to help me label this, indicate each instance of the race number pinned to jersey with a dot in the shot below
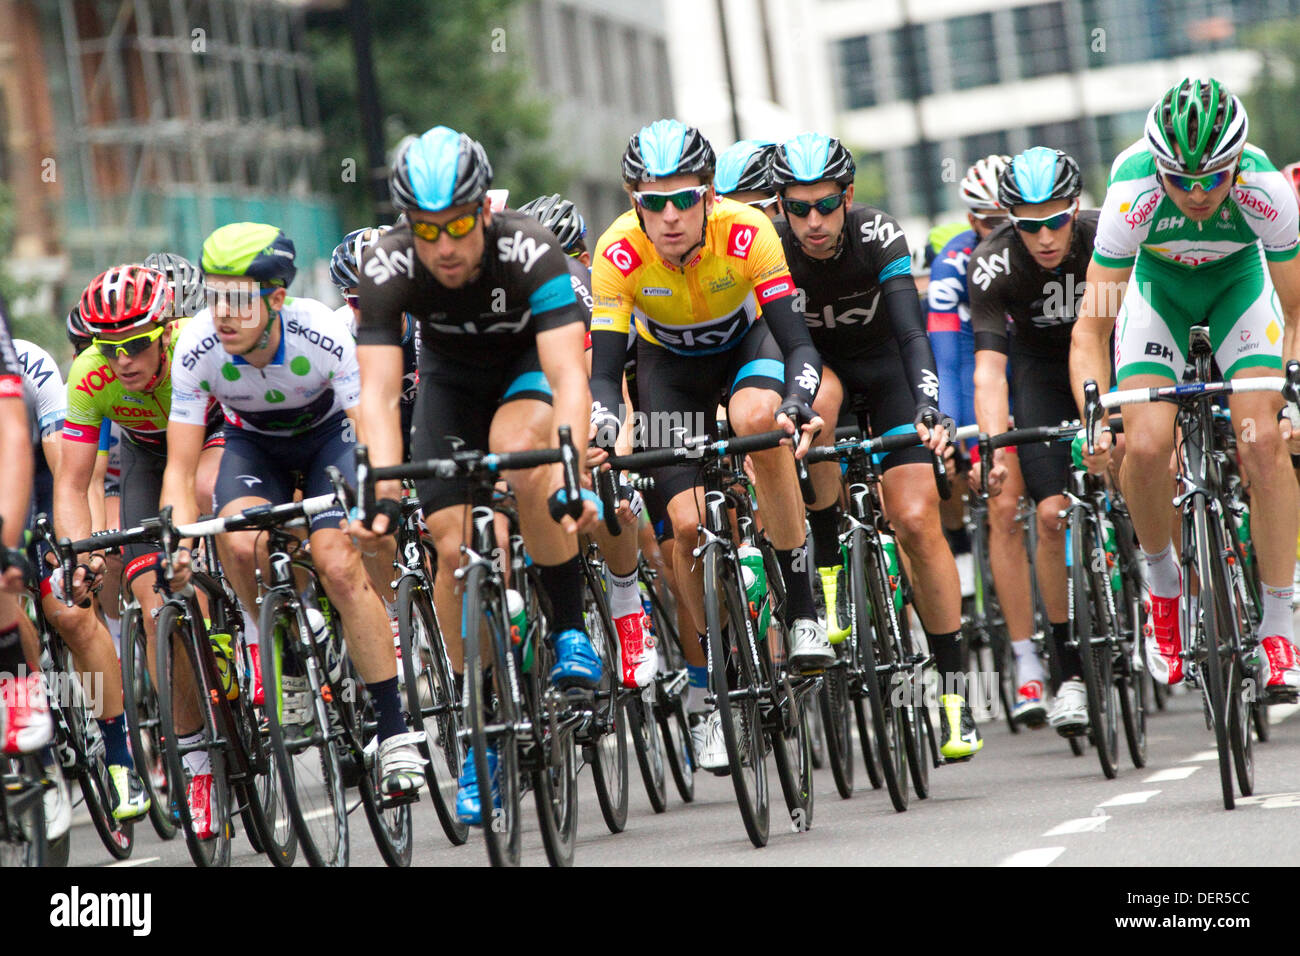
(623, 256)
(496, 199)
(741, 240)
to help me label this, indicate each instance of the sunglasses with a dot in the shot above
(238, 299)
(683, 199)
(989, 216)
(762, 203)
(458, 228)
(1059, 221)
(1207, 182)
(825, 205)
(128, 348)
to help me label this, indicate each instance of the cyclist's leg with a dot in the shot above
(825, 511)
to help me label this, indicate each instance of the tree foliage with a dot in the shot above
(1271, 101)
(44, 330)
(456, 63)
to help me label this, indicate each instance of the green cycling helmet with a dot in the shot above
(252, 249)
(1196, 126)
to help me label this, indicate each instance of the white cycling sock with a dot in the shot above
(1277, 617)
(1162, 573)
(624, 598)
(196, 761)
(1029, 666)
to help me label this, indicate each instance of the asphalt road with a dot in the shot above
(1024, 800)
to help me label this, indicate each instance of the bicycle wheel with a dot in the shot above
(432, 700)
(265, 811)
(648, 746)
(607, 753)
(792, 747)
(872, 609)
(675, 728)
(816, 734)
(836, 708)
(22, 812)
(1240, 685)
(486, 622)
(916, 714)
(390, 825)
(1213, 657)
(1259, 719)
(1090, 629)
(738, 707)
(1135, 690)
(140, 703)
(306, 756)
(175, 655)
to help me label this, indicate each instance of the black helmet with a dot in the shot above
(745, 167)
(812, 158)
(558, 215)
(438, 170)
(667, 148)
(1039, 174)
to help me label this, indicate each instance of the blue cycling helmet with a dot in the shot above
(1039, 174)
(667, 148)
(812, 158)
(441, 169)
(745, 167)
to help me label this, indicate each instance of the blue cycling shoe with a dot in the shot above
(576, 663)
(469, 807)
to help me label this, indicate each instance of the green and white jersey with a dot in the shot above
(313, 377)
(1137, 216)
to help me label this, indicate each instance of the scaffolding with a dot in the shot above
(180, 115)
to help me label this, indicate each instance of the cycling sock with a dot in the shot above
(798, 585)
(624, 597)
(1071, 667)
(825, 526)
(1162, 573)
(388, 708)
(563, 584)
(946, 649)
(697, 676)
(1277, 617)
(196, 761)
(12, 659)
(1029, 666)
(115, 748)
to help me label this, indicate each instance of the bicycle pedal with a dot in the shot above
(394, 800)
(1074, 730)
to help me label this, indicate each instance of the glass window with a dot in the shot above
(572, 49)
(636, 75)
(606, 80)
(1066, 136)
(983, 144)
(923, 179)
(911, 62)
(857, 85)
(971, 52)
(663, 79)
(1040, 40)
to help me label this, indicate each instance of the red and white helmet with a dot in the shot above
(126, 297)
(979, 188)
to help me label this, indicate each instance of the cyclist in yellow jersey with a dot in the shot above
(691, 272)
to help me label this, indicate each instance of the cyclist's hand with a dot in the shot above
(938, 436)
(1099, 461)
(796, 417)
(587, 521)
(181, 567)
(1289, 424)
(12, 581)
(596, 456)
(950, 462)
(87, 578)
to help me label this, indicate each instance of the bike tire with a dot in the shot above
(171, 628)
(648, 746)
(309, 769)
(485, 608)
(876, 650)
(1240, 685)
(1259, 718)
(836, 707)
(432, 700)
(916, 717)
(22, 813)
(1135, 692)
(741, 716)
(390, 826)
(1088, 625)
(1214, 666)
(675, 728)
(607, 753)
(140, 704)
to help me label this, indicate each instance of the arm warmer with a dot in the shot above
(904, 307)
(803, 366)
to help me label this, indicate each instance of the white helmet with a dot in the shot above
(979, 188)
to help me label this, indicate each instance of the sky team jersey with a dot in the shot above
(313, 376)
(1137, 215)
(707, 305)
(522, 288)
(94, 394)
(43, 390)
(948, 323)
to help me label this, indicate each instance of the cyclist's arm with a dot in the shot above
(1090, 341)
(904, 308)
(992, 409)
(73, 517)
(1286, 280)
(98, 509)
(16, 453)
(803, 366)
(51, 446)
(184, 445)
(558, 349)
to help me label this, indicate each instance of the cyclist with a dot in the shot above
(1032, 270)
(953, 341)
(691, 273)
(744, 174)
(637, 651)
(848, 260)
(1188, 211)
(125, 377)
(284, 370)
(501, 358)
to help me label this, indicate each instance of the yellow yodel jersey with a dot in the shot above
(703, 307)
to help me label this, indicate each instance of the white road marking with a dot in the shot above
(1126, 799)
(140, 862)
(1203, 755)
(1173, 773)
(1039, 857)
(1272, 801)
(1080, 825)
